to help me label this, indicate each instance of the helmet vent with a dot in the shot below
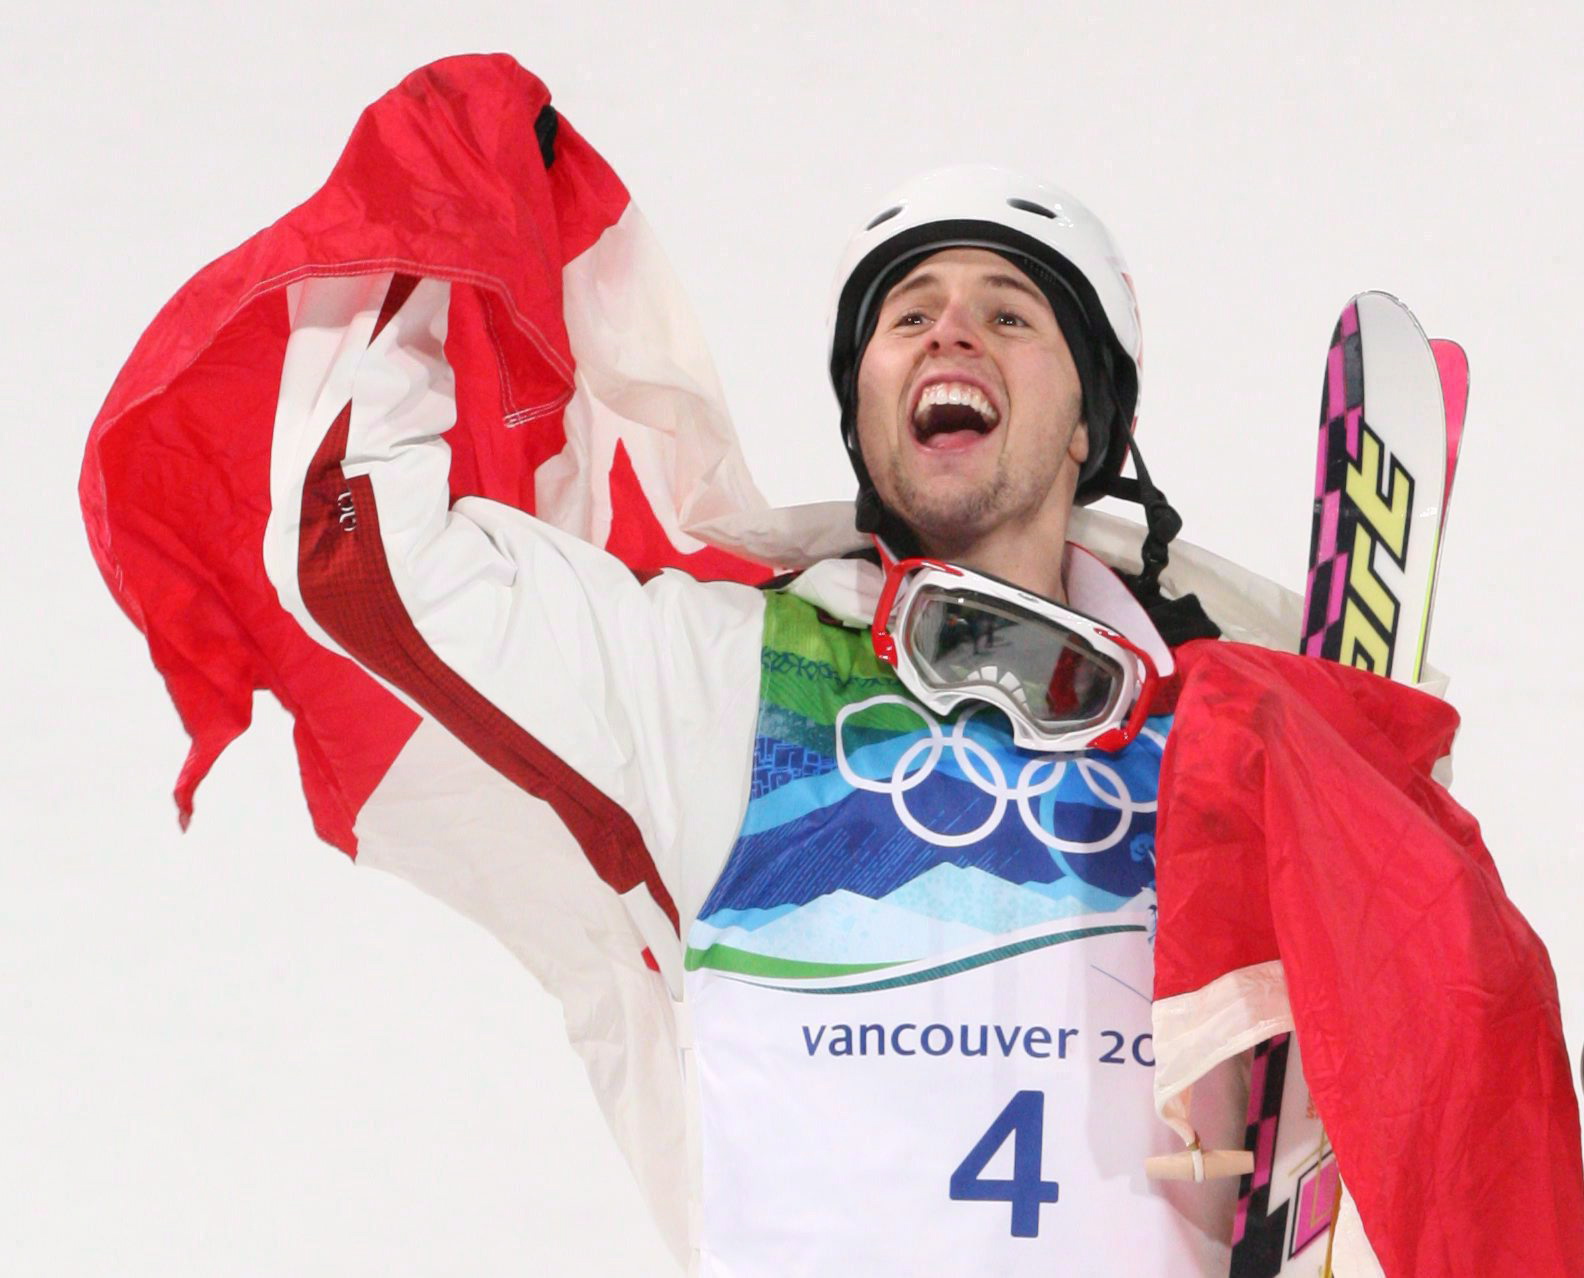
(883, 217)
(1028, 206)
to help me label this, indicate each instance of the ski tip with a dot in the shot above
(1453, 367)
(1451, 361)
(1450, 356)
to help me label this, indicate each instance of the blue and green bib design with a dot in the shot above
(885, 845)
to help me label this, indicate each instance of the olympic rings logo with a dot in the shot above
(1040, 776)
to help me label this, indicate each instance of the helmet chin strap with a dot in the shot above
(872, 516)
(869, 512)
(1162, 523)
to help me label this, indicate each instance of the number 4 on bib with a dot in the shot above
(1023, 1120)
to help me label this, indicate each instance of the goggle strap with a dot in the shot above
(1143, 704)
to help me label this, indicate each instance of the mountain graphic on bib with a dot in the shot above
(883, 843)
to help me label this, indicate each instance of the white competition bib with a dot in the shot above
(919, 995)
(966, 1117)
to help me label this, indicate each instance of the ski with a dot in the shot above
(1391, 425)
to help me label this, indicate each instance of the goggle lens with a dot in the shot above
(960, 639)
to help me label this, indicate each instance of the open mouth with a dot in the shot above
(953, 415)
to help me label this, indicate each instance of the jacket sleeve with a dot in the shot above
(628, 708)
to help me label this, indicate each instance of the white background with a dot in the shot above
(232, 1053)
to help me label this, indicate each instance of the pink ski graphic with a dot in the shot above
(1331, 540)
(1259, 1230)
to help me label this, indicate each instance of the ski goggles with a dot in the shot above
(1065, 681)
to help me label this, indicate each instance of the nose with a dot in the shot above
(954, 330)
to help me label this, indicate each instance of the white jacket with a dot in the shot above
(600, 703)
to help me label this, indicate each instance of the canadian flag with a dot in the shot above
(463, 172)
(1312, 875)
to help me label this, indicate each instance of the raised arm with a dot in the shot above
(628, 708)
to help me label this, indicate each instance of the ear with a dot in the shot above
(1078, 445)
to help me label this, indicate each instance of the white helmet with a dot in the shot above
(1053, 238)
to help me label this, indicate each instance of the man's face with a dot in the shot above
(969, 403)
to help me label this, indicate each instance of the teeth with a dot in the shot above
(957, 393)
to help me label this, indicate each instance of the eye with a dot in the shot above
(911, 319)
(1010, 319)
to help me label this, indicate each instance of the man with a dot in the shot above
(915, 949)
(854, 929)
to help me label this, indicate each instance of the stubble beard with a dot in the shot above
(944, 516)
